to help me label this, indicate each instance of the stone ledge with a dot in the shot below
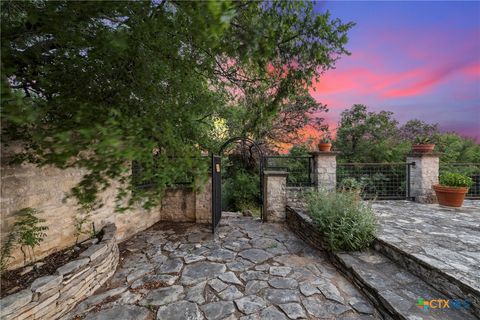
(424, 154)
(388, 285)
(275, 173)
(52, 296)
(441, 280)
(324, 153)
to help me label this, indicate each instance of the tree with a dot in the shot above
(455, 148)
(418, 128)
(101, 84)
(364, 136)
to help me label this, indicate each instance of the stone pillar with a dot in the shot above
(325, 170)
(275, 195)
(203, 202)
(423, 174)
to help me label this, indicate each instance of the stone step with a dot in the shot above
(440, 275)
(394, 290)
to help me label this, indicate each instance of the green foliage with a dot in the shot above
(299, 150)
(364, 136)
(30, 231)
(423, 140)
(351, 184)
(100, 84)
(6, 250)
(346, 222)
(452, 179)
(241, 191)
(415, 128)
(455, 148)
(80, 221)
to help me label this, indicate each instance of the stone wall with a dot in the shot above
(325, 169)
(295, 195)
(423, 174)
(45, 189)
(275, 200)
(51, 297)
(300, 223)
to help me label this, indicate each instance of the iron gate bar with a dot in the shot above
(216, 191)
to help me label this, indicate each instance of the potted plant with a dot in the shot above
(325, 144)
(452, 189)
(423, 145)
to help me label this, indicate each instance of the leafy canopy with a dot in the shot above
(100, 84)
(364, 136)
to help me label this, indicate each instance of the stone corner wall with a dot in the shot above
(44, 188)
(295, 195)
(51, 297)
(303, 226)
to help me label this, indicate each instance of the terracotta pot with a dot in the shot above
(450, 196)
(423, 148)
(324, 147)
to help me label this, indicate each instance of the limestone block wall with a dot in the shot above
(51, 297)
(325, 169)
(45, 189)
(295, 195)
(275, 199)
(300, 223)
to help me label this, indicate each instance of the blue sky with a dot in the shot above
(417, 59)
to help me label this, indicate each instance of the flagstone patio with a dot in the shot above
(249, 270)
(439, 244)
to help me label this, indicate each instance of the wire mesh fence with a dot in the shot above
(469, 169)
(376, 180)
(299, 168)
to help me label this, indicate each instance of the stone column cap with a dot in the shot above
(425, 154)
(275, 173)
(324, 153)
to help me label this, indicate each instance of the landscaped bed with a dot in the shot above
(15, 280)
(65, 279)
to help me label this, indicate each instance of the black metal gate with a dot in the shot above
(216, 191)
(217, 178)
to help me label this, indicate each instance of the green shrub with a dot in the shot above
(28, 232)
(241, 191)
(452, 179)
(351, 184)
(346, 222)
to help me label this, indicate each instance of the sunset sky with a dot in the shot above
(418, 59)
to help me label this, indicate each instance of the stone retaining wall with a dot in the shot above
(294, 195)
(302, 225)
(45, 189)
(51, 297)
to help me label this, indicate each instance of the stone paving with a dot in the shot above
(249, 270)
(447, 239)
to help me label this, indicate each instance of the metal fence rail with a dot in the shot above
(469, 169)
(376, 180)
(299, 168)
